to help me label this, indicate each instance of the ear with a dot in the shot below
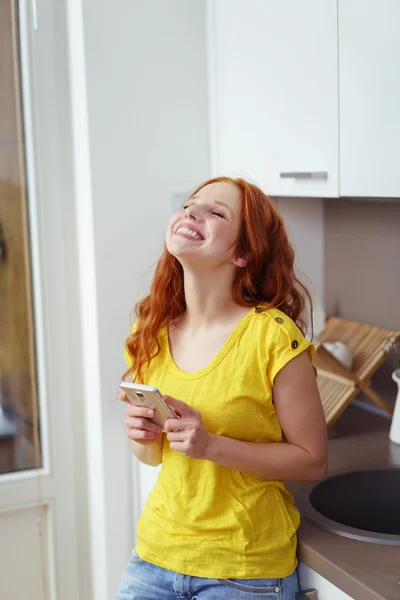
(240, 262)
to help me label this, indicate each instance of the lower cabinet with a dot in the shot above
(326, 589)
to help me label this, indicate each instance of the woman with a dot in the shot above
(220, 336)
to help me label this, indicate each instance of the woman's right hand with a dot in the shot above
(138, 426)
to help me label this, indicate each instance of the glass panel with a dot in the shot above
(19, 428)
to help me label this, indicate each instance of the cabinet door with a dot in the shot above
(369, 76)
(274, 93)
(326, 590)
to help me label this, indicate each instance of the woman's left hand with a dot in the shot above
(187, 434)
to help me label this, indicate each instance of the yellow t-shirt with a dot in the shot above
(206, 520)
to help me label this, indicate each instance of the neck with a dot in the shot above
(208, 297)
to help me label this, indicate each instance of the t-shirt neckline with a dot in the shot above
(216, 360)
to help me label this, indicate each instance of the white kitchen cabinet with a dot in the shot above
(274, 94)
(326, 589)
(369, 92)
(305, 95)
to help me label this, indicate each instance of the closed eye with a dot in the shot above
(213, 212)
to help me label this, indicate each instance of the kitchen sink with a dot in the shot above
(363, 504)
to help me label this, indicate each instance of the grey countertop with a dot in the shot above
(363, 570)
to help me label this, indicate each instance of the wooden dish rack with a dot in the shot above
(337, 384)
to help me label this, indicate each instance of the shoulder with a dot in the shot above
(276, 324)
(281, 339)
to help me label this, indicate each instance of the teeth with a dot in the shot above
(190, 232)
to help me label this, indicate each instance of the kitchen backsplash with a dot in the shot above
(362, 261)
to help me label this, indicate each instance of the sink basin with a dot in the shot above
(363, 504)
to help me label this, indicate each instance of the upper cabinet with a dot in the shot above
(274, 74)
(369, 95)
(305, 96)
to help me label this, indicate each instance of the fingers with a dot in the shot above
(137, 428)
(184, 424)
(138, 411)
(174, 425)
(122, 396)
(182, 441)
(138, 425)
(178, 436)
(180, 447)
(138, 435)
(181, 408)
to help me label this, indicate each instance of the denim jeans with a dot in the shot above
(144, 581)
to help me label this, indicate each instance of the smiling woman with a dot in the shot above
(220, 334)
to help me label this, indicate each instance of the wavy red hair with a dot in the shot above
(268, 278)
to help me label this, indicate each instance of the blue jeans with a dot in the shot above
(144, 581)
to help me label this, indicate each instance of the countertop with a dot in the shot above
(363, 570)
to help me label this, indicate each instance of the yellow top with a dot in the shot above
(206, 520)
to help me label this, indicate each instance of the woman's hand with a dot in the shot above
(187, 434)
(138, 426)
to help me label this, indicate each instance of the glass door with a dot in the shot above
(39, 327)
(19, 423)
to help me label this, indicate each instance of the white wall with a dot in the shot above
(304, 220)
(142, 98)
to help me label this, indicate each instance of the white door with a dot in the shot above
(274, 91)
(369, 67)
(38, 521)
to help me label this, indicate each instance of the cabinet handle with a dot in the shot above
(311, 594)
(304, 175)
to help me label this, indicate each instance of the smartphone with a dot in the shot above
(149, 397)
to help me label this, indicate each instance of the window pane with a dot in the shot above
(19, 429)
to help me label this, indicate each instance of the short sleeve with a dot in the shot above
(286, 342)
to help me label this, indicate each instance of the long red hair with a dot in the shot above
(268, 279)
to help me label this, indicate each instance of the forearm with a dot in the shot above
(149, 453)
(272, 460)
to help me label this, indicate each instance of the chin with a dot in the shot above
(180, 247)
(184, 256)
(172, 247)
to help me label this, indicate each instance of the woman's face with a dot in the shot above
(206, 229)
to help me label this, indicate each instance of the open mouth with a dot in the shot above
(190, 233)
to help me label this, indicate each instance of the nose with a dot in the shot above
(192, 213)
